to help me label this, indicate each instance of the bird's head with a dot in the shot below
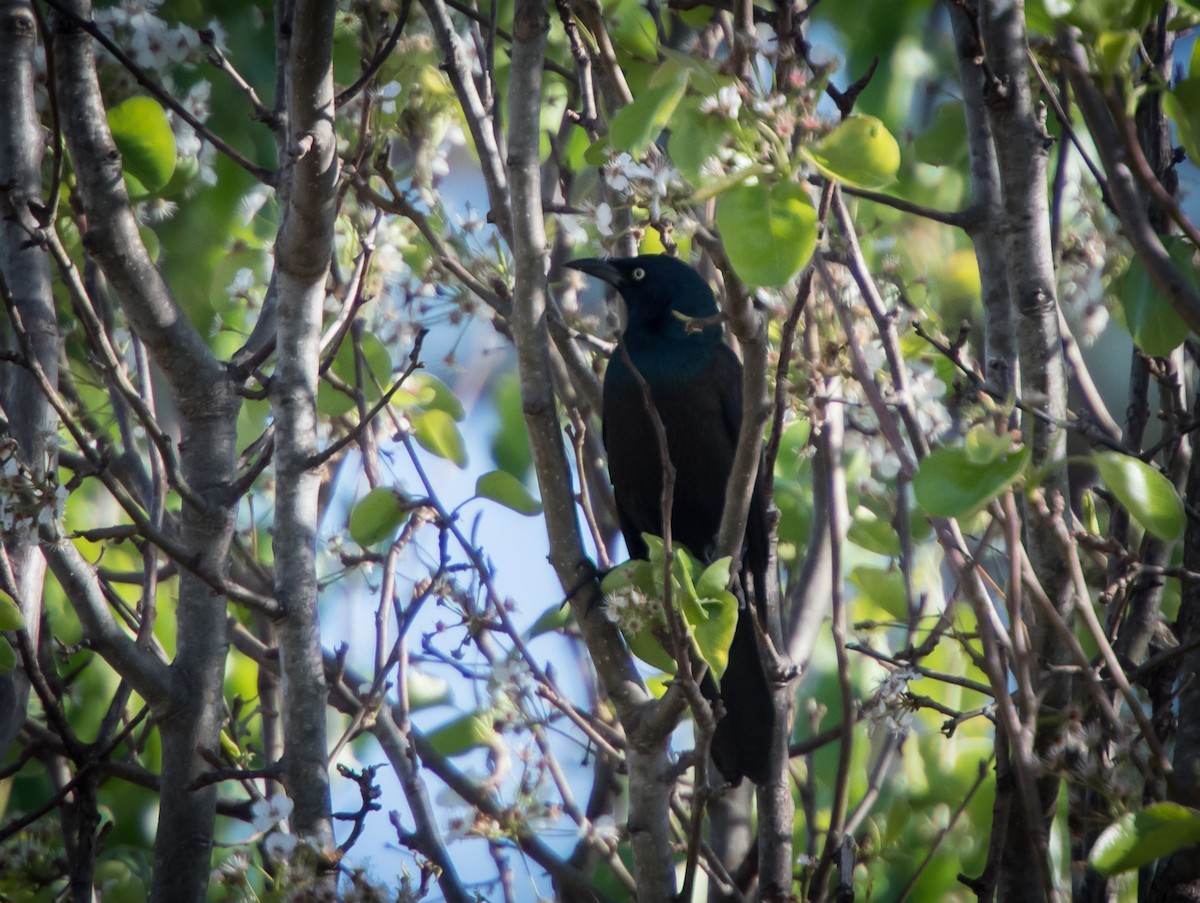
(661, 295)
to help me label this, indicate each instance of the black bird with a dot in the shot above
(695, 380)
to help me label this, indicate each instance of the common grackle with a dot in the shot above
(695, 380)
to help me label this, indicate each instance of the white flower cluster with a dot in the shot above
(159, 48)
(150, 41)
(188, 146)
(27, 502)
(633, 611)
(727, 103)
(888, 706)
(267, 814)
(507, 682)
(641, 181)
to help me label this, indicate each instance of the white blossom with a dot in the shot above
(266, 813)
(604, 219)
(279, 845)
(726, 103)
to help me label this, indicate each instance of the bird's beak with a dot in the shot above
(594, 266)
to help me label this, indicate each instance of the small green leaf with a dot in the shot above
(597, 153)
(769, 230)
(1147, 495)
(645, 645)
(883, 587)
(636, 34)
(435, 394)
(553, 619)
(147, 144)
(695, 137)
(1138, 838)
(377, 515)
(464, 733)
(658, 684)
(510, 443)
(1113, 50)
(713, 621)
(1182, 104)
(629, 576)
(1155, 326)
(714, 580)
(871, 532)
(949, 484)
(376, 376)
(437, 433)
(637, 124)
(722, 184)
(508, 491)
(860, 152)
(944, 142)
(10, 615)
(427, 690)
(8, 656)
(685, 566)
(983, 446)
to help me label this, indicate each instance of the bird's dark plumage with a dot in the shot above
(695, 380)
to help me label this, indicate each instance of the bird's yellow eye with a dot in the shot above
(639, 274)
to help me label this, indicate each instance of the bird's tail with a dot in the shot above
(741, 744)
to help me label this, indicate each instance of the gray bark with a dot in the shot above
(302, 258)
(649, 763)
(27, 416)
(189, 717)
(1021, 144)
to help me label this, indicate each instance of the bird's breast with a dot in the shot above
(699, 443)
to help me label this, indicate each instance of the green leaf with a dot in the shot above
(10, 615)
(510, 443)
(944, 142)
(871, 532)
(629, 576)
(435, 394)
(1147, 495)
(645, 645)
(437, 433)
(8, 656)
(508, 491)
(377, 515)
(769, 231)
(883, 587)
(1113, 50)
(983, 446)
(636, 34)
(695, 136)
(597, 152)
(860, 152)
(949, 484)
(376, 375)
(1155, 326)
(652, 243)
(1095, 16)
(147, 144)
(553, 619)
(1182, 104)
(723, 184)
(714, 580)
(427, 690)
(713, 621)
(637, 124)
(1138, 838)
(469, 731)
